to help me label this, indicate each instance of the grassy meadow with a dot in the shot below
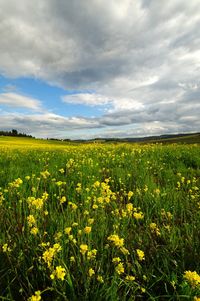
(98, 221)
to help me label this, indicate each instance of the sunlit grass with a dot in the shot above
(99, 222)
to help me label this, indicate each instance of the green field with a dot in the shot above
(98, 221)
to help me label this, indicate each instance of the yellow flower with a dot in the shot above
(34, 231)
(74, 224)
(58, 235)
(31, 220)
(196, 298)
(140, 254)
(36, 297)
(83, 249)
(72, 259)
(119, 268)
(118, 242)
(90, 221)
(192, 278)
(154, 229)
(138, 215)
(116, 260)
(91, 254)
(73, 205)
(130, 194)
(129, 207)
(91, 272)
(61, 170)
(58, 273)
(6, 248)
(87, 230)
(130, 278)
(45, 174)
(57, 247)
(95, 206)
(68, 230)
(63, 200)
(100, 279)
(49, 254)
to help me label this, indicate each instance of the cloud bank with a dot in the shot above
(140, 59)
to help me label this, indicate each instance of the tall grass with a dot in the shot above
(99, 222)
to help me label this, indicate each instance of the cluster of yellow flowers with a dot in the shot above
(140, 254)
(154, 229)
(116, 240)
(37, 203)
(58, 273)
(36, 297)
(193, 278)
(16, 183)
(50, 253)
(45, 174)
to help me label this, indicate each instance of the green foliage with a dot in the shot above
(99, 222)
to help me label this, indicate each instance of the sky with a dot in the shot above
(97, 68)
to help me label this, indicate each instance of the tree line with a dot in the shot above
(14, 133)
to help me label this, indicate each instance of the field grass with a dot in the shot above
(99, 221)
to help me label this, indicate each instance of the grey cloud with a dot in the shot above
(113, 47)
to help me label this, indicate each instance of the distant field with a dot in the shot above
(99, 221)
(190, 139)
(16, 142)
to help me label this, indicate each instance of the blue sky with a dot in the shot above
(76, 69)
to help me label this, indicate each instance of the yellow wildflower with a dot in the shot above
(116, 260)
(68, 230)
(118, 242)
(130, 278)
(95, 206)
(130, 194)
(192, 278)
(83, 249)
(90, 221)
(34, 231)
(91, 272)
(140, 254)
(31, 220)
(61, 170)
(74, 224)
(73, 205)
(72, 259)
(6, 248)
(58, 273)
(119, 268)
(45, 174)
(91, 254)
(63, 200)
(100, 279)
(87, 230)
(138, 215)
(154, 229)
(129, 207)
(36, 297)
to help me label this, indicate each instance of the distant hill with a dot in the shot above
(171, 138)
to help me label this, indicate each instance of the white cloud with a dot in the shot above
(90, 99)
(140, 57)
(17, 100)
